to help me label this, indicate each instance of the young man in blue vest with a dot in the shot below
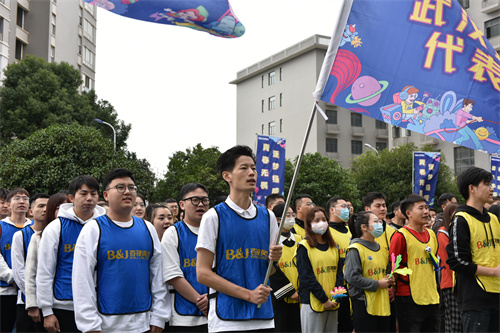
(56, 251)
(474, 253)
(18, 201)
(236, 239)
(117, 283)
(190, 302)
(20, 243)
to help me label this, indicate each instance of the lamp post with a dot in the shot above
(114, 132)
(371, 147)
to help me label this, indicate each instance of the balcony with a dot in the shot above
(357, 131)
(488, 6)
(495, 42)
(22, 35)
(382, 133)
(332, 128)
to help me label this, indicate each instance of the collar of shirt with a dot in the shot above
(246, 213)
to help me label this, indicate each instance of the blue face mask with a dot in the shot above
(344, 214)
(378, 230)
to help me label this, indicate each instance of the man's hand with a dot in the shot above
(259, 295)
(34, 314)
(329, 305)
(155, 329)
(202, 304)
(295, 296)
(275, 252)
(51, 323)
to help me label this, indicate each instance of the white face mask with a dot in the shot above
(319, 227)
(289, 223)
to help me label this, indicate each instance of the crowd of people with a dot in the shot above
(77, 262)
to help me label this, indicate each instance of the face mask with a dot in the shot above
(319, 227)
(378, 230)
(289, 223)
(344, 214)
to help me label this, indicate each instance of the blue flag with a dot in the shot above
(213, 16)
(420, 65)
(425, 170)
(495, 170)
(270, 167)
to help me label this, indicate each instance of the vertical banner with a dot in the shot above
(270, 167)
(425, 170)
(495, 170)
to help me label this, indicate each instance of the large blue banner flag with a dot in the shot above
(213, 16)
(270, 167)
(420, 65)
(495, 170)
(425, 170)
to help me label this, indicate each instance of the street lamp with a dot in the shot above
(114, 132)
(371, 147)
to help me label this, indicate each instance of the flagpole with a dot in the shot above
(290, 191)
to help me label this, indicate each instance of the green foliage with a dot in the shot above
(321, 178)
(196, 165)
(390, 172)
(37, 94)
(50, 158)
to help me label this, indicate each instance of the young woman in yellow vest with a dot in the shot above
(317, 263)
(366, 268)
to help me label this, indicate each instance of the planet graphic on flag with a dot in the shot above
(366, 91)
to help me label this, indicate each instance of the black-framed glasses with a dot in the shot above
(195, 201)
(122, 188)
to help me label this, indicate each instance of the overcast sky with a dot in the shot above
(172, 83)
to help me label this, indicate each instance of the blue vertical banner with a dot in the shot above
(495, 170)
(270, 167)
(426, 169)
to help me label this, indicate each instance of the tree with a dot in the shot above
(390, 172)
(37, 94)
(50, 158)
(195, 165)
(321, 178)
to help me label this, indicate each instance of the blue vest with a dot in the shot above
(70, 230)
(123, 258)
(28, 232)
(187, 256)
(8, 231)
(242, 251)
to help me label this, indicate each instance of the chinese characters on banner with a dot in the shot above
(495, 170)
(270, 167)
(426, 169)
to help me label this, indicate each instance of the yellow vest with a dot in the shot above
(288, 267)
(385, 240)
(423, 286)
(374, 265)
(299, 230)
(324, 265)
(485, 248)
(342, 240)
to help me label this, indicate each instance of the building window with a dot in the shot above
(52, 54)
(19, 50)
(53, 24)
(331, 145)
(263, 79)
(407, 132)
(88, 83)
(281, 99)
(271, 76)
(356, 120)
(492, 27)
(332, 117)
(281, 73)
(88, 58)
(263, 105)
(80, 45)
(272, 128)
(1, 28)
(380, 124)
(396, 132)
(271, 102)
(80, 21)
(281, 125)
(356, 147)
(380, 145)
(262, 129)
(89, 30)
(464, 159)
(464, 3)
(89, 8)
(20, 17)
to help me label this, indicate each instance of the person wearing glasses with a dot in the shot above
(190, 302)
(55, 254)
(18, 201)
(117, 283)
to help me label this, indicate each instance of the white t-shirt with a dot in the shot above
(207, 239)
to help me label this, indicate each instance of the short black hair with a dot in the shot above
(278, 210)
(333, 201)
(297, 199)
(472, 176)
(170, 200)
(443, 198)
(15, 191)
(4, 193)
(273, 197)
(116, 173)
(219, 199)
(432, 209)
(370, 197)
(38, 196)
(190, 188)
(409, 202)
(395, 205)
(228, 159)
(79, 181)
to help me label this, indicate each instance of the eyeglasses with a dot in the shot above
(195, 201)
(122, 188)
(20, 198)
(343, 206)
